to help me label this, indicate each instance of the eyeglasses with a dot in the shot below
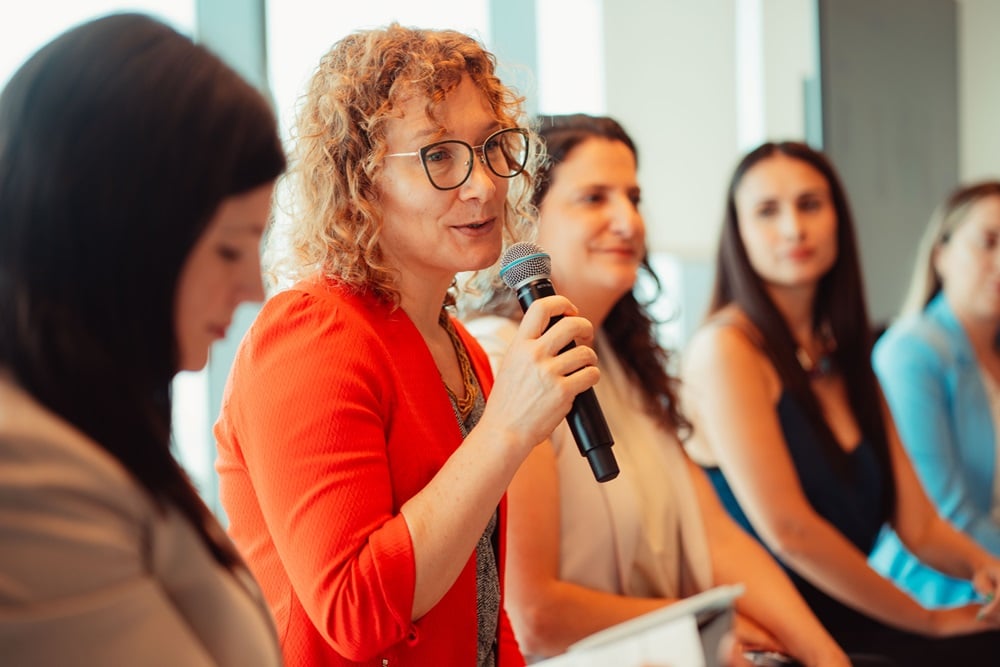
(448, 164)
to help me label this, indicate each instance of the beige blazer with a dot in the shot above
(92, 574)
(640, 534)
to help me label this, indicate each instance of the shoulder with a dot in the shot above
(41, 451)
(913, 339)
(725, 354)
(726, 337)
(493, 333)
(298, 330)
(72, 518)
(491, 326)
(318, 306)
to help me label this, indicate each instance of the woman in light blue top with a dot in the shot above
(940, 369)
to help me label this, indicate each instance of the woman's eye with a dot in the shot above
(229, 254)
(437, 155)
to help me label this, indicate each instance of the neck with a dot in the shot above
(982, 332)
(592, 306)
(422, 303)
(796, 307)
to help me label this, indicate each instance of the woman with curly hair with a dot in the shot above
(365, 447)
(584, 556)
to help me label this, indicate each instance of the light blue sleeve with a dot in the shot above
(912, 373)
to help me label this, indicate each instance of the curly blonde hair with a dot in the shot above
(336, 220)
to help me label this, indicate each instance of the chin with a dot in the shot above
(193, 363)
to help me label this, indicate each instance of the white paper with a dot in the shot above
(667, 637)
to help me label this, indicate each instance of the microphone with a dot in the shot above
(525, 268)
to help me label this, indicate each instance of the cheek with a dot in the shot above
(757, 246)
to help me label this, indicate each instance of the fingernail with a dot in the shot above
(980, 614)
(990, 596)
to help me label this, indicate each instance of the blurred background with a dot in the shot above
(902, 95)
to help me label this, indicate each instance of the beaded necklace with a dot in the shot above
(823, 366)
(469, 383)
(814, 370)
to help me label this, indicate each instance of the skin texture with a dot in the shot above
(222, 271)
(732, 390)
(968, 265)
(592, 228)
(429, 235)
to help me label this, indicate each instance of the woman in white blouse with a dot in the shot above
(583, 556)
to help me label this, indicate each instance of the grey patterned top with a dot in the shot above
(487, 575)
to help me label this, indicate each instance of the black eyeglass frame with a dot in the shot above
(481, 148)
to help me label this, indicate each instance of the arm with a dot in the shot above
(932, 539)
(82, 582)
(771, 600)
(549, 614)
(911, 374)
(534, 389)
(314, 431)
(735, 390)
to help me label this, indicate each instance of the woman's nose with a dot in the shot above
(626, 221)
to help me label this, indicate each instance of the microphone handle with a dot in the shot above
(586, 419)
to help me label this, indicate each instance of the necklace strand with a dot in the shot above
(822, 366)
(469, 384)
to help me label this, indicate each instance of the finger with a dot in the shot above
(536, 319)
(573, 360)
(566, 332)
(986, 584)
(581, 380)
(990, 611)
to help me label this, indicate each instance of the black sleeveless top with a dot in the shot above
(850, 500)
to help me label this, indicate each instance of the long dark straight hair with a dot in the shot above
(118, 142)
(839, 304)
(629, 326)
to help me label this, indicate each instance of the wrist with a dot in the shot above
(828, 654)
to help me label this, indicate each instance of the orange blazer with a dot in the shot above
(333, 416)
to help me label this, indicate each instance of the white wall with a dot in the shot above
(979, 89)
(671, 81)
(683, 77)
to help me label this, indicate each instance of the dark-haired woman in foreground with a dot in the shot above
(136, 172)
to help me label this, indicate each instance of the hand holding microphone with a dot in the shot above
(526, 268)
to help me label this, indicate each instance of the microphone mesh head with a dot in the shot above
(523, 262)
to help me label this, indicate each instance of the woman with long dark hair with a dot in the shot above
(136, 172)
(790, 420)
(584, 556)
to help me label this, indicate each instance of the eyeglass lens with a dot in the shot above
(449, 163)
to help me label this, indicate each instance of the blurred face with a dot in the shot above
(589, 221)
(222, 271)
(969, 263)
(787, 222)
(429, 235)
